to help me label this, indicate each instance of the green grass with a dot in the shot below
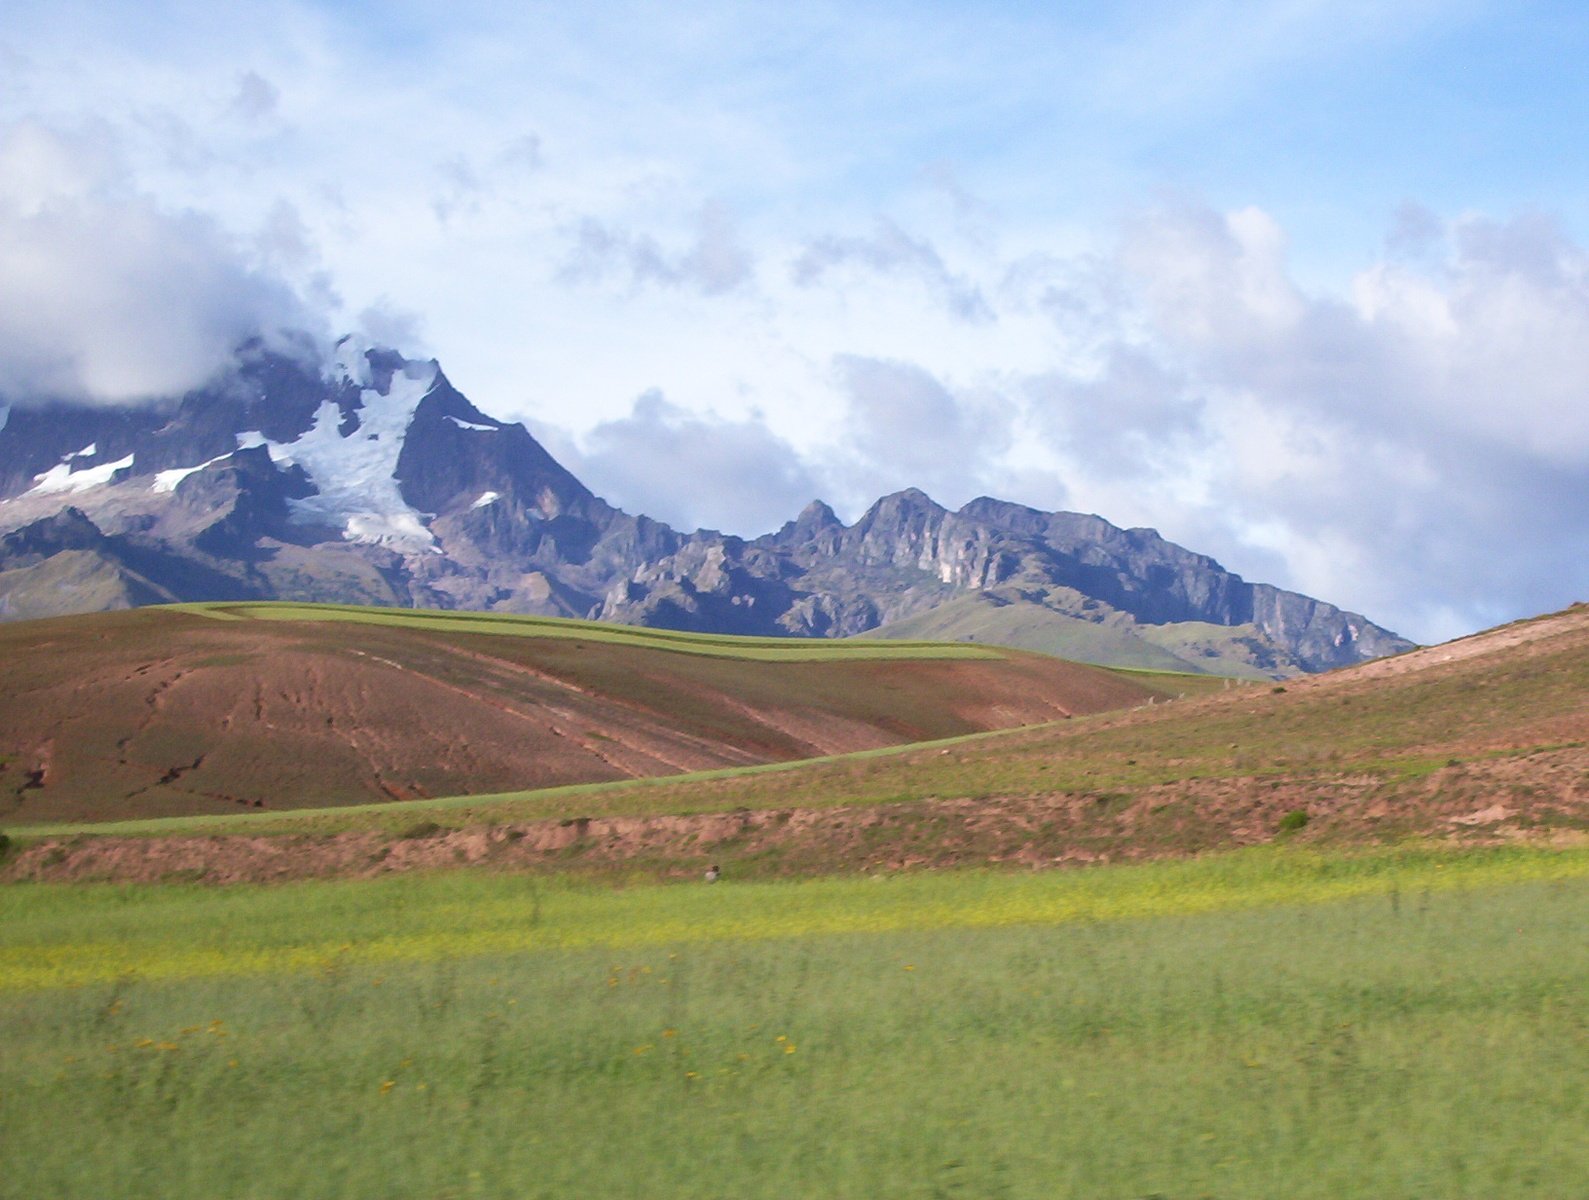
(790, 649)
(53, 935)
(1067, 625)
(1256, 1025)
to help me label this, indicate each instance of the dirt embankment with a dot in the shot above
(1542, 798)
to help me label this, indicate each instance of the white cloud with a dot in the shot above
(712, 263)
(888, 250)
(1417, 449)
(256, 96)
(106, 295)
(692, 470)
(906, 428)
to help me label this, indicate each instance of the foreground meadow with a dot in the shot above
(1410, 1023)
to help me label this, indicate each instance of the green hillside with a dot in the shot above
(1064, 624)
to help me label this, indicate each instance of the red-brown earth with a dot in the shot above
(163, 713)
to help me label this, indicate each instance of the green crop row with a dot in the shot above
(790, 649)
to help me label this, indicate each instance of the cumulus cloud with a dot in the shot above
(889, 250)
(906, 428)
(714, 261)
(522, 153)
(107, 296)
(458, 188)
(687, 469)
(386, 324)
(1418, 448)
(1136, 415)
(285, 239)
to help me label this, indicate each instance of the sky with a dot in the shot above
(1301, 284)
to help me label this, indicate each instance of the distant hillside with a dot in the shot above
(1011, 617)
(229, 708)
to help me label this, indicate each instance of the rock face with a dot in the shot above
(373, 480)
(908, 555)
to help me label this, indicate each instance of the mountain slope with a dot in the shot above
(370, 479)
(1006, 617)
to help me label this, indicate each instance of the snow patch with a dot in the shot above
(87, 451)
(472, 425)
(166, 481)
(401, 531)
(5, 415)
(356, 475)
(485, 499)
(62, 479)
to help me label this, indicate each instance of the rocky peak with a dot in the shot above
(817, 525)
(69, 529)
(1001, 514)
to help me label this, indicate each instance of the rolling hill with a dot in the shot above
(216, 708)
(1068, 625)
(1485, 739)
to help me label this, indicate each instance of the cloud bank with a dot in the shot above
(1423, 439)
(106, 295)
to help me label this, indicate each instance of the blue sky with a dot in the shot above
(1301, 284)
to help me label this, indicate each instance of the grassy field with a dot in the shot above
(516, 625)
(1397, 1024)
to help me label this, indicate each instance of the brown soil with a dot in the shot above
(1544, 798)
(151, 713)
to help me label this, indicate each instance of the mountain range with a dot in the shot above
(373, 480)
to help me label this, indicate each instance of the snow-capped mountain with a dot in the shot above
(371, 479)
